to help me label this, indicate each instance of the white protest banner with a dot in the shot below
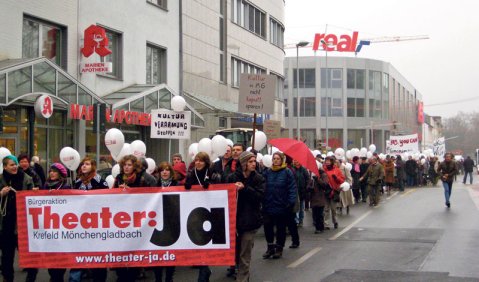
(127, 227)
(404, 144)
(439, 147)
(256, 93)
(168, 124)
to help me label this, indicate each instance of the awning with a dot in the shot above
(147, 97)
(23, 80)
(205, 104)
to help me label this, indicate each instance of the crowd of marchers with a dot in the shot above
(274, 198)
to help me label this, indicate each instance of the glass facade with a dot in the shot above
(375, 103)
(307, 78)
(356, 93)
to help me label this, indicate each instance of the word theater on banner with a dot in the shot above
(168, 124)
(127, 227)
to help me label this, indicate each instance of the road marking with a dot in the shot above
(304, 258)
(350, 226)
(392, 195)
(474, 194)
(408, 192)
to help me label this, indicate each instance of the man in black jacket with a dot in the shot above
(24, 163)
(251, 186)
(468, 168)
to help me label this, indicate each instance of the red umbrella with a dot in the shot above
(297, 150)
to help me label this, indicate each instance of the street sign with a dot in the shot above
(256, 93)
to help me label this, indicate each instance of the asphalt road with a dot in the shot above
(410, 236)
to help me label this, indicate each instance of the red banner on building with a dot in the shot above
(127, 227)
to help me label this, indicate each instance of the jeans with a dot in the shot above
(293, 228)
(411, 180)
(204, 273)
(300, 213)
(465, 176)
(447, 190)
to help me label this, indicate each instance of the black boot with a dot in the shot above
(269, 252)
(278, 252)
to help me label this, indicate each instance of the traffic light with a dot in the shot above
(99, 112)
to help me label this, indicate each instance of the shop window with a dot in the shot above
(159, 3)
(115, 44)
(44, 39)
(155, 64)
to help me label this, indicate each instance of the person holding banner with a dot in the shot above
(200, 174)
(447, 171)
(57, 179)
(131, 175)
(12, 180)
(88, 179)
(251, 186)
(278, 204)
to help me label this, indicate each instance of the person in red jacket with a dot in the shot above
(335, 178)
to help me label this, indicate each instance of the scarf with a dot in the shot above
(128, 180)
(54, 184)
(166, 183)
(278, 167)
(14, 180)
(356, 167)
(86, 178)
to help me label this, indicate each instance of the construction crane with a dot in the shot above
(382, 39)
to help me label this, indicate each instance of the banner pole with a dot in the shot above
(254, 129)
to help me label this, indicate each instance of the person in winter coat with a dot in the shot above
(447, 171)
(201, 174)
(12, 180)
(38, 168)
(411, 171)
(131, 175)
(388, 174)
(356, 174)
(220, 166)
(302, 177)
(364, 183)
(345, 197)
(335, 179)
(24, 163)
(88, 179)
(318, 200)
(57, 179)
(375, 176)
(180, 168)
(468, 168)
(251, 187)
(278, 203)
(400, 173)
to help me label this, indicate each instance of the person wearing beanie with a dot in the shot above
(24, 163)
(13, 179)
(251, 187)
(278, 203)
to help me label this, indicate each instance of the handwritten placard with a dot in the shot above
(256, 93)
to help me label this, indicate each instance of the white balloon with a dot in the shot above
(205, 146)
(125, 151)
(316, 152)
(70, 158)
(115, 170)
(319, 164)
(110, 180)
(4, 152)
(345, 186)
(249, 149)
(138, 148)
(329, 154)
(339, 152)
(1, 168)
(369, 155)
(151, 165)
(348, 166)
(423, 161)
(363, 152)
(259, 141)
(219, 145)
(193, 150)
(268, 160)
(259, 157)
(349, 155)
(355, 152)
(382, 156)
(213, 157)
(323, 156)
(178, 104)
(372, 148)
(229, 142)
(114, 141)
(274, 150)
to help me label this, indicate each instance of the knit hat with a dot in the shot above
(244, 157)
(60, 168)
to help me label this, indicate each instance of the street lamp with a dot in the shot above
(328, 79)
(299, 44)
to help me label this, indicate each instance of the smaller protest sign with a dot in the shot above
(168, 124)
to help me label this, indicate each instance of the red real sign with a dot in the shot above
(137, 227)
(345, 43)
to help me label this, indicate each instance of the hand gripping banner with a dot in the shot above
(127, 227)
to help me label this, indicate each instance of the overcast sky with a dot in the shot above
(444, 68)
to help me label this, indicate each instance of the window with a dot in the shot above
(334, 77)
(356, 93)
(155, 64)
(249, 17)
(385, 96)
(375, 99)
(279, 86)
(276, 33)
(307, 107)
(286, 112)
(222, 42)
(159, 3)
(238, 67)
(307, 78)
(44, 39)
(116, 56)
